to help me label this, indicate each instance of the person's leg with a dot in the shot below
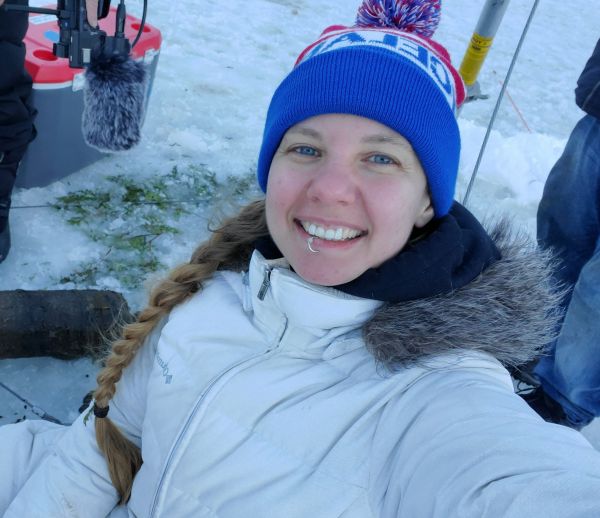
(569, 223)
(16, 112)
(570, 374)
(569, 211)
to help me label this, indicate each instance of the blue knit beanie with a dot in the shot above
(385, 68)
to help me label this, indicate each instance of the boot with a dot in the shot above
(4, 229)
(8, 171)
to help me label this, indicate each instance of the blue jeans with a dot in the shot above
(569, 222)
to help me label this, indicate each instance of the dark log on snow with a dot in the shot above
(63, 324)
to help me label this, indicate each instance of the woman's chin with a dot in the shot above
(323, 275)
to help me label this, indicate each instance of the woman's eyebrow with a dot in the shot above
(386, 139)
(307, 132)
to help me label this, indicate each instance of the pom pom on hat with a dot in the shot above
(417, 16)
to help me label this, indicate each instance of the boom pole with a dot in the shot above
(480, 44)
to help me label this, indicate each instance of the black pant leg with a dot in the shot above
(16, 112)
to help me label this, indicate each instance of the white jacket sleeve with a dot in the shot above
(472, 448)
(61, 472)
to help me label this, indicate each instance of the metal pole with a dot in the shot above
(500, 96)
(40, 412)
(481, 41)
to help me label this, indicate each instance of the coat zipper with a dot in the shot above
(262, 292)
(187, 425)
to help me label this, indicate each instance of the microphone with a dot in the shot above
(114, 98)
(114, 94)
(115, 90)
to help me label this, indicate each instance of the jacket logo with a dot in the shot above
(165, 369)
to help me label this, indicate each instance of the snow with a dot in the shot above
(219, 64)
(70, 381)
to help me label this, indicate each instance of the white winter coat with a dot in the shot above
(270, 406)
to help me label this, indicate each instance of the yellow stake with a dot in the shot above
(474, 58)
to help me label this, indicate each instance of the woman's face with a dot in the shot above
(354, 185)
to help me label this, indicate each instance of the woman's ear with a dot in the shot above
(425, 216)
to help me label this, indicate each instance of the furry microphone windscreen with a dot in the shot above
(114, 100)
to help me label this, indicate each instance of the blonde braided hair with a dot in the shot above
(229, 248)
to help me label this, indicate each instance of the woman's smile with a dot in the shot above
(335, 233)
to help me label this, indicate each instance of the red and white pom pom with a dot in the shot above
(417, 16)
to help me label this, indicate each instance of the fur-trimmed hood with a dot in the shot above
(510, 311)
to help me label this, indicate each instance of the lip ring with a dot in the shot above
(309, 243)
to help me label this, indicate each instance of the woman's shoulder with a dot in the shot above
(224, 286)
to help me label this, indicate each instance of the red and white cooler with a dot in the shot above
(59, 148)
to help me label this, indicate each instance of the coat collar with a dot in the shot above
(283, 302)
(488, 292)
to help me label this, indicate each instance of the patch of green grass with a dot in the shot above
(128, 216)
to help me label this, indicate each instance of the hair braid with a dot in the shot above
(229, 247)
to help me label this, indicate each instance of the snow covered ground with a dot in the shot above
(219, 64)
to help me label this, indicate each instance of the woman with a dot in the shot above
(336, 349)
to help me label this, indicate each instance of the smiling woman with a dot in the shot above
(312, 359)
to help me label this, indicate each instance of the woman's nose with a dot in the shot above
(332, 182)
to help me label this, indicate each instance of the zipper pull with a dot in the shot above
(265, 285)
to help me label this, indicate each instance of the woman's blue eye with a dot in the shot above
(381, 160)
(306, 150)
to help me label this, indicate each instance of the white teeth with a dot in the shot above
(330, 234)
